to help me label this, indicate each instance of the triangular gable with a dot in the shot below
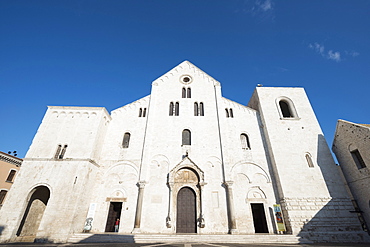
(185, 67)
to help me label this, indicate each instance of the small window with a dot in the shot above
(140, 112)
(171, 109)
(358, 159)
(285, 109)
(201, 109)
(227, 112)
(309, 160)
(2, 196)
(196, 109)
(188, 93)
(177, 105)
(245, 141)
(11, 176)
(63, 152)
(144, 112)
(59, 148)
(186, 137)
(184, 92)
(126, 140)
(231, 113)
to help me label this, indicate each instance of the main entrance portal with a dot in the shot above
(186, 211)
(259, 218)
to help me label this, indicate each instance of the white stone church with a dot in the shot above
(183, 159)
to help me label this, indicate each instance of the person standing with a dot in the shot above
(116, 225)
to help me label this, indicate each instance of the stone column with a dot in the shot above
(139, 205)
(230, 207)
(168, 218)
(201, 216)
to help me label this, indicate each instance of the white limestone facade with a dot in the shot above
(182, 160)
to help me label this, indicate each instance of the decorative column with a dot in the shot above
(230, 206)
(201, 221)
(139, 205)
(168, 218)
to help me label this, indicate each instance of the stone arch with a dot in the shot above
(37, 202)
(249, 168)
(185, 175)
(256, 193)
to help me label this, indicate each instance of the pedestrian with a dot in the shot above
(116, 225)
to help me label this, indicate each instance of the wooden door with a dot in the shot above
(186, 211)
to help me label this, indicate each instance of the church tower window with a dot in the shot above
(309, 160)
(231, 112)
(201, 109)
(196, 109)
(171, 108)
(144, 112)
(285, 109)
(184, 92)
(59, 154)
(188, 93)
(177, 105)
(227, 112)
(186, 137)
(358, 159)
(126, 140)
(245, 142)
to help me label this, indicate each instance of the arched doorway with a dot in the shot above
(186, 211)
(35, 210)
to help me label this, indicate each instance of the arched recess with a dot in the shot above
(185, 175)
(34, 212)
(286, 108)
(251, 169)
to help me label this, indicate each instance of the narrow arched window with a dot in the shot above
(186, 137)
(2, 196)
(227, 112)
(11, 176)
(195, 109)
(189, 92)
(126, 140)
(184, 92)
(285, 109)
(144, 112)
(171, 109)
(177, 105)
(231, 113)
(245, 141)
(63, 152)
(309, 160)
(201, 109)
(56, 156)
(140, 112)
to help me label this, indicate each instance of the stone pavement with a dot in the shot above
(184, 245)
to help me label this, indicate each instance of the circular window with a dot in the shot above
(186, 79)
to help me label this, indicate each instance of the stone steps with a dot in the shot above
(183, 238)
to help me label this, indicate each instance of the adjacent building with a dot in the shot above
(183, 159)
(352, 148)
(9, 167)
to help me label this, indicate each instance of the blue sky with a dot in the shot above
(107, 53)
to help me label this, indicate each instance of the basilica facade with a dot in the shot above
(183, 159)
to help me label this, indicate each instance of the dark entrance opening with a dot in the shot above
(115, 209)
(259, 218)
(35, 210)
(186, 211)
